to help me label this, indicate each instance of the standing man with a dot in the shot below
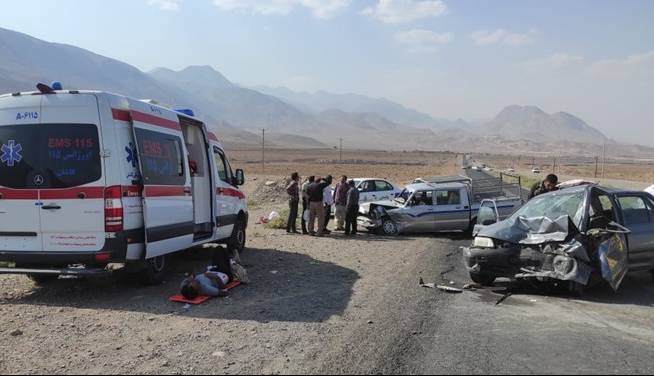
(314, 191)
(305, 202)
(352, 208)
(548, 185)
(328, 201)
(340, 198)
(293, 191)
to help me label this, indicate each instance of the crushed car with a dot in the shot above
(579, 235)
(435, 205)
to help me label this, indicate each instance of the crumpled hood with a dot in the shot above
(530, 231)
(387, 204)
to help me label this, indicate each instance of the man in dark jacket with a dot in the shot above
(316, 206)
(352, 210)
(546, 186)
(293, 191)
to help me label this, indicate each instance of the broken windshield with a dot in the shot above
(553, 206)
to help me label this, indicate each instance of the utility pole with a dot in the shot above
(596, 166)
(340, 154)
(554, 166)
(263, 150)
(604, 161)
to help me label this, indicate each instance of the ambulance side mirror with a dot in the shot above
(239, 178)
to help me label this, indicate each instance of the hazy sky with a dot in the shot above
(450, 58)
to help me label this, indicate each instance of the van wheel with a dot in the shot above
(483, 279)
(390, 228)
(42, 280)
(155, 271)
(239, 237)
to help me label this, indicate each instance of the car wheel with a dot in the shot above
(483, 279)
(42, 280)
(390, 228)
(239, 237)
(156, 270)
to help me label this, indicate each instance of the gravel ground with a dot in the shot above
(325, 306)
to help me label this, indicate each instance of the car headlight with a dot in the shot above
(482, 242)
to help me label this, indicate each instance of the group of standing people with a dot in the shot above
(317, 201)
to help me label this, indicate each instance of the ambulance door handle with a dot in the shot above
(51, 207)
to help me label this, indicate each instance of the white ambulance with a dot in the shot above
(90, 179)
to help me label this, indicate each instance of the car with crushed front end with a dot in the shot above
(579, 236)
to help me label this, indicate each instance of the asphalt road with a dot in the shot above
(423, 331)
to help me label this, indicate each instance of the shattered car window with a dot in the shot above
(555, 206)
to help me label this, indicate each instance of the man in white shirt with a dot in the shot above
(328, 201)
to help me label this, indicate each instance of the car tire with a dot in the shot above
(483, 279)
(239, 237)
(155, 270)
(42, 280)
(390, 228)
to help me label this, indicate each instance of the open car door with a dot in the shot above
(488, 215)
(167, 194)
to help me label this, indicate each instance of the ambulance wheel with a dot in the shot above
(155, 270)
(390, 228)
(41, 280)
(239, 237)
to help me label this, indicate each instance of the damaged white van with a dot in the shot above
(90, 179)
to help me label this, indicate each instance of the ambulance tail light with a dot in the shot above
(113, 209)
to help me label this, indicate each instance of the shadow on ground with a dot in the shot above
(284, 286)
(636, 289)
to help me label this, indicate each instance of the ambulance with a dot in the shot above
(92, 181)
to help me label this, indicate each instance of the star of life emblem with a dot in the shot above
(11, 153)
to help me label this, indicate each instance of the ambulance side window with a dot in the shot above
(222, 166)
(162, 158)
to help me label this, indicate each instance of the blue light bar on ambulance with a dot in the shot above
(186, 111)
(56, 85)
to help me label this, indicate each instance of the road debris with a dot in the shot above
(16, 333)
(503, 298)
(450, 290)
(426, 285)
(472, 286)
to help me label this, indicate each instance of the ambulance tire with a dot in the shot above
(155, 270)
(42, 280)
(239, 236)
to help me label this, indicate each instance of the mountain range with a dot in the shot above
(294, 119)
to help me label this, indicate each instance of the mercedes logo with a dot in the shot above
(39, 180)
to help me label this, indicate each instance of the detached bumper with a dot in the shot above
(368, 223)
(499, 262)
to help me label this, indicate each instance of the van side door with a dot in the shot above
(638, 216)
(227, 196)
(167, 193)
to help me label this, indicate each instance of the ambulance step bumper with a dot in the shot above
(72, 272)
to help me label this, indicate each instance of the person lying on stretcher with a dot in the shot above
(211, 283)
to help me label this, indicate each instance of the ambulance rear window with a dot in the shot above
(161, 158)
(49, 156)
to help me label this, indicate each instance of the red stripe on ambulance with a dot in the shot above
(124, 115)
(15, 194)
(231, 192)
(166, 191)
(73, 193)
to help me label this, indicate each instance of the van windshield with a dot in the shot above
(49, 156)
